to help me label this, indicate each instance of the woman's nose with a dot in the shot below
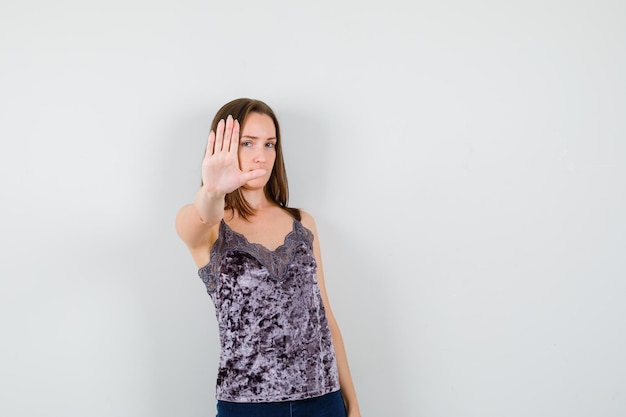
(259, 157)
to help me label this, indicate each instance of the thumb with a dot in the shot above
(253, 174)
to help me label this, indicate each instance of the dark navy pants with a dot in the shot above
(329, 405)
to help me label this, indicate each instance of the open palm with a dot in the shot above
(220, 166)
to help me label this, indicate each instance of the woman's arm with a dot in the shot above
(220, 176)
(194, 228)
(345, 378)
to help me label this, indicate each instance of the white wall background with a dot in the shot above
(465, 161)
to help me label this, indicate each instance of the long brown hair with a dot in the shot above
(276, 189)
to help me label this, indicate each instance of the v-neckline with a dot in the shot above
(260, 245)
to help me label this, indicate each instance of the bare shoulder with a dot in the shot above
(308, 221)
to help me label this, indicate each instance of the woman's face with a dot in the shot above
(257, 147)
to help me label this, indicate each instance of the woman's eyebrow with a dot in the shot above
(256, 137)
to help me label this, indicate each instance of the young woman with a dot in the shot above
(282, 353)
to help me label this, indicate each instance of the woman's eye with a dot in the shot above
(246, 143)
(270, 144)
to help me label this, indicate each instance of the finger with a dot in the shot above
(219, 136)
(234, 140)
(228, 132)
(210, 145)
(253, 174)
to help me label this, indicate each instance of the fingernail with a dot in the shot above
(230, 117)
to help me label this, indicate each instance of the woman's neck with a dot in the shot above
(256, 199)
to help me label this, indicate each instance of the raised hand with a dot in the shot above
(220, 166)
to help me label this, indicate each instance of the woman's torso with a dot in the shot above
(275, 340)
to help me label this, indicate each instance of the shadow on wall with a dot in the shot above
(305, 148)
(361, 295)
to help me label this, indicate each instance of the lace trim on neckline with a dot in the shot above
(276, 261)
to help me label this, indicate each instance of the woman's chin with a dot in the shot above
(255, 184)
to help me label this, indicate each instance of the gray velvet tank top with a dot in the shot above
(275, 340)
